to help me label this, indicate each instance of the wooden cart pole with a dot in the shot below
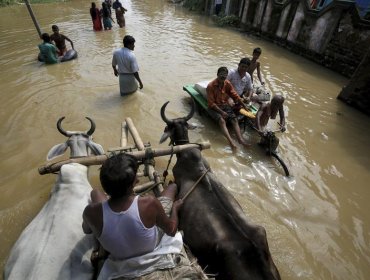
(149, 168)
(135, 135)
(97, 160)
(33, 17)
(124, 134)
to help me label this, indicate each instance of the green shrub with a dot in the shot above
(194, 5)
(232, 20)
(4, 3)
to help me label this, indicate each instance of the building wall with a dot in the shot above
(333, 34)
(311, 32)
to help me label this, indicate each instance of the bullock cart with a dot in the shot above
(215, 228)
(246, 117)
(53, 245)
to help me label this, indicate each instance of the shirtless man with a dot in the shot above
(60, 40)
(269, 111)
(255, 64)
(125, 224)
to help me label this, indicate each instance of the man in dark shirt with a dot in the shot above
(48, 52)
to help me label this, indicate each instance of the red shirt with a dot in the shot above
(219, 96)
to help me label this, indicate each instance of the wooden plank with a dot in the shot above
(203, 102)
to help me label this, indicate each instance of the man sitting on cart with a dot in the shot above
(127, 225)
(241, 80)
(218, 92)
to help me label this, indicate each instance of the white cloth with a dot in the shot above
(127, 84)
(240, 84)
(126, 61)
(160, 258)
(217, 2)
(201, 87)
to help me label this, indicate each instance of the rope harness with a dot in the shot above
(195, 184)
(165, 173)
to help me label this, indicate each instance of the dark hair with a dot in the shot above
(277, 100)
(118, 173)
(54, 27)
(257, 50)
(45, 37)
(245, 60)
(93, 10)
(127, 40)
(222, 69)
(106, 12)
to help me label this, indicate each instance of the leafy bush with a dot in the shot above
(231, 20)
(12, 2)
(194, 5)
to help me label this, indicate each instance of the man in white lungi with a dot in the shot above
(125, 65)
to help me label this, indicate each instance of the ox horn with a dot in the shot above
(163, 115)
(61, 130)
(191, 114)
(92, 128)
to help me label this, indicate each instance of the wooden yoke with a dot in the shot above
(139, 151)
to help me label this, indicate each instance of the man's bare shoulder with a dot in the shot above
(263, 107)
(93, 208)
(148, 201)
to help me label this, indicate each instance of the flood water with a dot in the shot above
(317, 220)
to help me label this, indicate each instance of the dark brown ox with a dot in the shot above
(214, 225)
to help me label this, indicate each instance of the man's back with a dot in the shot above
(126, 61)
(60, 40)
(124, 234)
(263, 115)
(116, 5)
(49, 53)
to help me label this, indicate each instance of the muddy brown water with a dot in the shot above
(317, 221)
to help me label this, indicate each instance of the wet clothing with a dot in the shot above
(96, 19)
(107, 23)
(124, 234)
(127, 84)
(49, 53)
(126, 61)
(106, 14)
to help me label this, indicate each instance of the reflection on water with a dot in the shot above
(316, 220)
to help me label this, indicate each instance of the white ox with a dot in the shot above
(53, 245)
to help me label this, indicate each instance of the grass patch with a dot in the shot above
(4, 3)
(223, 21)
